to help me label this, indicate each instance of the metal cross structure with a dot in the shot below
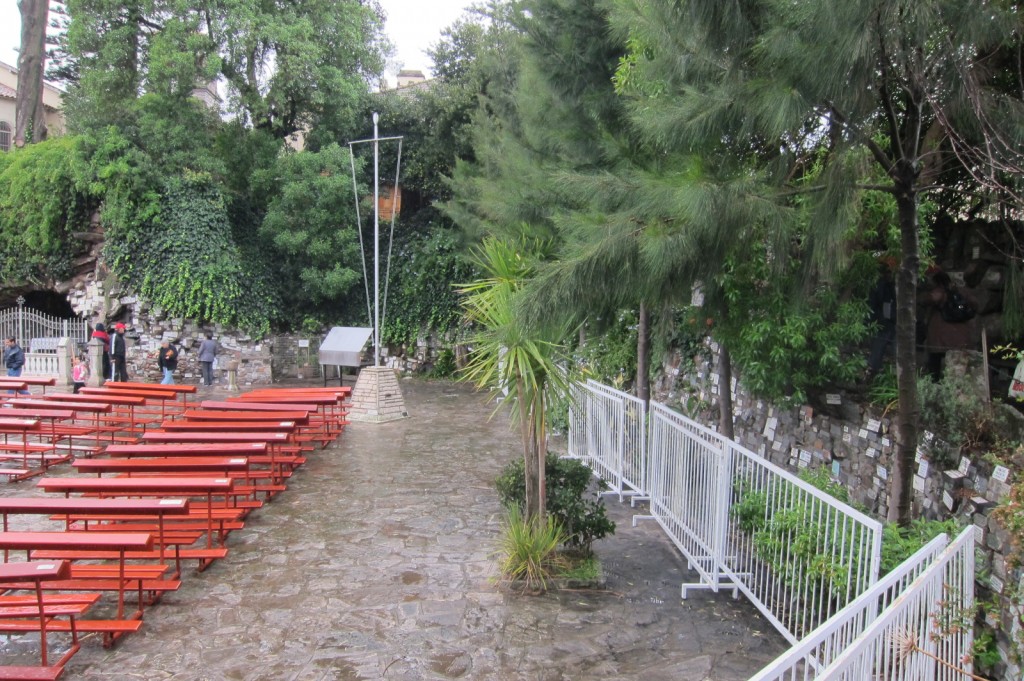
(376, 315)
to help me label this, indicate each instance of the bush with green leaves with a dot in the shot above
(573, 507)
(188, 265)
(529, 550)
(44, 198)
(899, 543)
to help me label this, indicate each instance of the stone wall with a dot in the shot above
(855, 442)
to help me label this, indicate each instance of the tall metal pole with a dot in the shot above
(376, 245)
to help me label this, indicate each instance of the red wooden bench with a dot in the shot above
(116, 543)
(45, 611)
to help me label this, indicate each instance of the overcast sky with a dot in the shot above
(412, 25)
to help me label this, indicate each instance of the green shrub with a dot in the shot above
(529, 550)
(899, 543)
(581, 516)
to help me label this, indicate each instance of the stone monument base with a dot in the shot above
(377, 398)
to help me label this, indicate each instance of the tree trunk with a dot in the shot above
(530, 471)
(908, 415)
(540, 436)
(30, 117)
(725, 392)
(643, 355)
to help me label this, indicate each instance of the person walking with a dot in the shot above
(14, 360)
(101, 333)
(79, 373)
(167, 360)
(207, 356)
(118, 353)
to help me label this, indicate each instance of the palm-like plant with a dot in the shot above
(519, 362)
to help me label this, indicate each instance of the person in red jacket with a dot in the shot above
(101, 333)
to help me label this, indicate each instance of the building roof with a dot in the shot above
(8, 92)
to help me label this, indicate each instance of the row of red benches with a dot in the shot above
(195, 473)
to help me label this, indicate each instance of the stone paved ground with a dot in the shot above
(376, 564)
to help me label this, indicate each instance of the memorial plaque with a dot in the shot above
(947, 500)
(919, 484)
(874, 425)
(833, 398)
(922, 469)
(848, 438)
(863, 433)
(304, 343)
(979, 535)
(805, 456)
(1001, 473)
(965, 465)
(975, 252)
(882, 472)
(996, 584)
(835, 469)
(886, 442)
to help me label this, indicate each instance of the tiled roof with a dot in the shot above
(7, 92)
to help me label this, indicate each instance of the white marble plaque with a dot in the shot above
(872, 453)
(921, 453)
(304, 343)
(965, 465)
(863, 433)
(882, 472)
(833, 398)
(996, 584)
(928, 436)
(805, 456)
(947, 500)
(922, 469)
(1001, 473)
(979, 535)
(886, 442)
(847, 438)
(919, 484)
(874, 425)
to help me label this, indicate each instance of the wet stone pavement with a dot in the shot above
(377, 563)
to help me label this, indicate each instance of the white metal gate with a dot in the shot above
(37, 331)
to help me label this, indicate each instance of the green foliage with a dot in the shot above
(569, 503)
(955, 410)
(444, 366)
(785, 343)
(529, 550)
(421, 293)
(883, 391)
(309, 228)
(44, 198)
(786, 538)
(899, 542)
(610, 357)
(189, 266)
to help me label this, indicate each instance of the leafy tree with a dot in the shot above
(756, 81)
(310, 227)
(45, 197)
(190, 266)
(519, 363)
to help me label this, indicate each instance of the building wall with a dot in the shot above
(52, 100)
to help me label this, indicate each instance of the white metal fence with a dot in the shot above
(608, 432)
(805, 660)
(926, 633)
(807, 561)
(796, 552)
(37, 331)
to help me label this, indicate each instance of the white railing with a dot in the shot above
(805, 660)
(26, 324)
(41, 364)
(686, 482)
(933, 620)
(608, 431)
(807, 561)
(796, 552)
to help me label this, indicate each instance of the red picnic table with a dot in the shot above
(150, 395)
(300, 418)
(94, 408)
(38, 381)
(34, 573)
(183, 390)
(21, 427)
(159, 486)
(117, 542)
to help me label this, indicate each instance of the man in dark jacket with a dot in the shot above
(167, 360)
(118, 351)
(14, 359)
